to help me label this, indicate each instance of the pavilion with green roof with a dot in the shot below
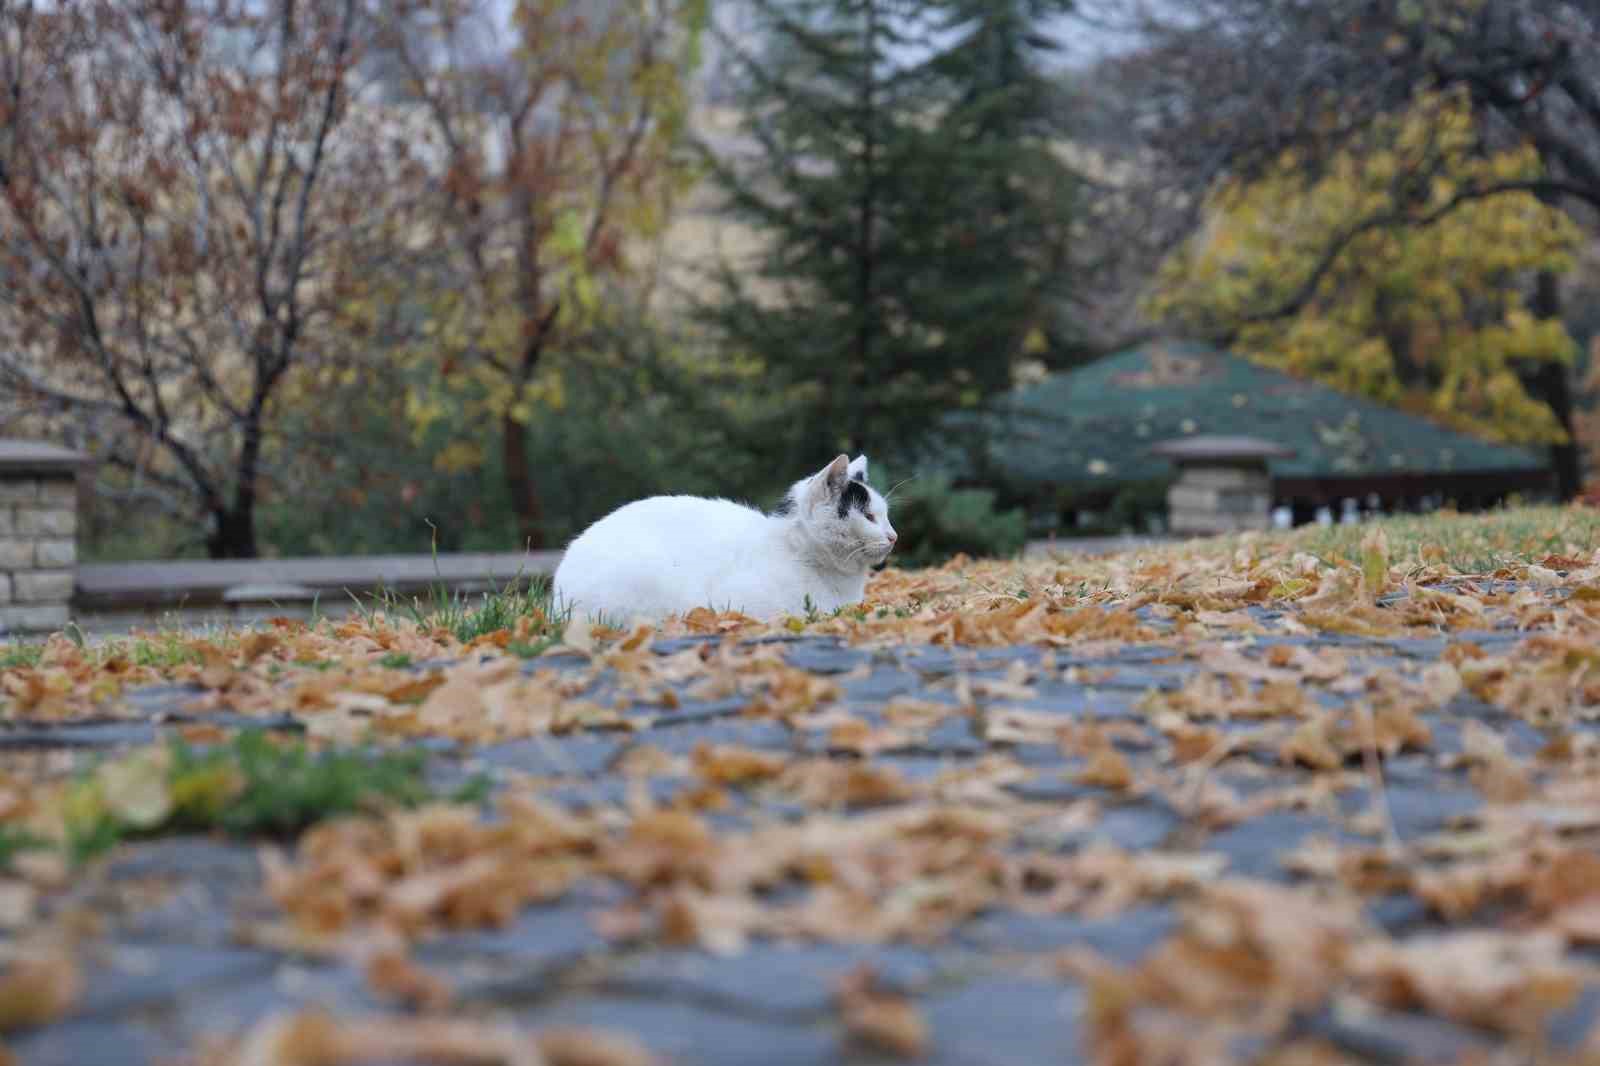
(1076, 440)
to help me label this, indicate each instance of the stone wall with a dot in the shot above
(38, 535)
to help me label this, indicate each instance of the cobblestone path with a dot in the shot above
(1102, 750)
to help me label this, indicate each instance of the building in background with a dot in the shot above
(1075, 447)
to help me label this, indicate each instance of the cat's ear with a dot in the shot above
(836, 474)
(858, 469)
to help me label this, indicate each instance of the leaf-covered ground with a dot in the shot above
(1325, 797)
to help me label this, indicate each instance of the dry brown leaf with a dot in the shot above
(591, 1047)
(1309, 746)
(1107, 769)
(37, 990)
(881, 1019)
(855, 783)
(395, 975)
(1510, 981)
(728, 764)
(315, 1038)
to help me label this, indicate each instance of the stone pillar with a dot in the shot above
(38, 534)
(1224, 484)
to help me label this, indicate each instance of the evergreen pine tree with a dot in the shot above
(913, 214)
(1000, 205)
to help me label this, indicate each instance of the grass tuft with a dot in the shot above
(467, 618)
(527, 597)
(20, 656)
(14, 841)
(1472, 544)
(252, 785)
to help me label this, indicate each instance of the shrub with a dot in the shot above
(936, 521)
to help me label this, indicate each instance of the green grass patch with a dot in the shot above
(1474, 544)
(14, 841)
(162, 651)
(468, 617)
(17, 656)
(252, 785)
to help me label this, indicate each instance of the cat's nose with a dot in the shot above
(893, 536)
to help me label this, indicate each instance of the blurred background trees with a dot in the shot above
(1434, 319)
(184, 197)
(350, 276)
(555, 133)
(901, 165)
(1231, 90)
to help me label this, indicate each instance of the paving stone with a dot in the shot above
(666, 718)
(673, 645)
(882, 685)
(744, 732)
(78, 1042)
(1417, 810)
(208, 878)
(1569, 1029)
(156, 705)
(1090, 701)
(1399, 914)
(149, 976)
(162, 697)
(691, 1032)
(1125, 655)
(1137, 827)
(580, 753)
(1054, 789)
(953, 736)
(1255, 847)
(541, 937)
(829, 657)
(1042, 757)
(780, 980)
(937, 661)
(1006, 1021)
(1376, 1035)
(920, 769)
(229, 1008)
(613, 792)
(1124, 939)
(80, 734)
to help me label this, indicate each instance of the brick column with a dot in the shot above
(38, 534)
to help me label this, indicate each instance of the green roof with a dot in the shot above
(1098, 422)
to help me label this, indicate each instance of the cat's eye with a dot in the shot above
(868, 516)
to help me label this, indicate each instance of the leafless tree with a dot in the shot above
(181, 186)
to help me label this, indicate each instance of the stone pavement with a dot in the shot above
(166, 967)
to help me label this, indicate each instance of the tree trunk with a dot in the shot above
(519, 483)
(1552, 383)
(235, 534)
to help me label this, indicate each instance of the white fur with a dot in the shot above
(670, 554)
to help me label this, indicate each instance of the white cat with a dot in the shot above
(670, 554)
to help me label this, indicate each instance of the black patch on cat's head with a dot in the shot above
(785, 506)
(859, 475)
(853, 498)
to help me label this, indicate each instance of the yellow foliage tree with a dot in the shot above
(1413, 297)
(559, 140)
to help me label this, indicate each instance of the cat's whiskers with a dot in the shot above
(890, 494)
